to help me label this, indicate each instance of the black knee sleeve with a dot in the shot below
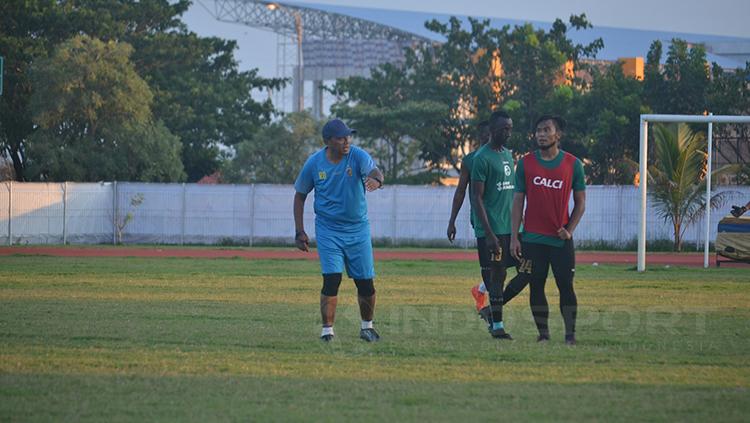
(365, 287)
(331, 282)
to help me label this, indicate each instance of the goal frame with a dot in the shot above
(710, 119)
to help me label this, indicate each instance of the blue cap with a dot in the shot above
(336, 128)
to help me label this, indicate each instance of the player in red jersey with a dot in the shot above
(544, 180)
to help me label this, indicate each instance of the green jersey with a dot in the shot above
(495, 169)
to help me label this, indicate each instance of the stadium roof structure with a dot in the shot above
(358, 37)
(727, 52)
(342, 41)
(334, 45)
(319, 23)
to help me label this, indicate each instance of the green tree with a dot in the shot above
(390, 125)
(681, 85)
(276, 153)
(606, 120)
(729, 94)
(31, 29)
(198, 92)
(28, 30)
(534, 74)
(677, 183)
(94, 118)
(394, 134)
(428, 108)
(454, 85)
(201, 95)
(513, 68)
(464, 75)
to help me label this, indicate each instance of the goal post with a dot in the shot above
(643, 163)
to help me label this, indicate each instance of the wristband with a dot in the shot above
(298, 233)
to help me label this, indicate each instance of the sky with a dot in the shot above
(257, 48)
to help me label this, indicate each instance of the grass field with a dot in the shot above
(126, 339)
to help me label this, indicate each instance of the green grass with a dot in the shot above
(132, 339)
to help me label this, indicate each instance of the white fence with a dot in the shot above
(78, 213)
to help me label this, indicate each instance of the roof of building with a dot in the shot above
(618, 42)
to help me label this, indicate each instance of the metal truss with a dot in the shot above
(333, 41)
(318, 25)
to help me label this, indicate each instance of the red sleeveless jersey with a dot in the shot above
(547, 194)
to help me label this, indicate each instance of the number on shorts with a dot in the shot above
(496, 256)
(524, 266)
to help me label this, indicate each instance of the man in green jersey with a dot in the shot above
(493, 182)
(479, 291)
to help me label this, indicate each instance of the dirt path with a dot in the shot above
(583, 257)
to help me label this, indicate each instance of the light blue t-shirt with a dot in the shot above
(340, 203)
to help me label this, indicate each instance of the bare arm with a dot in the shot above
(458, 201)
(300, 237)
(516, 215)
(579, 206)
(374, 180)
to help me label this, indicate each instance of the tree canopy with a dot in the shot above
(93, 117)
(197, 94)
(276, 153)
(121, 89)
(444, 90)
(429, 108)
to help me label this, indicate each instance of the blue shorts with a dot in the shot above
(354, 251)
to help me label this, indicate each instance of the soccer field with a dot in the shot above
(139, 339)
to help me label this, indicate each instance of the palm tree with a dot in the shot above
(677, 178)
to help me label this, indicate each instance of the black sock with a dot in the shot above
(495, 291)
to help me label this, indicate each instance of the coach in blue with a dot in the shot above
(340, 173)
